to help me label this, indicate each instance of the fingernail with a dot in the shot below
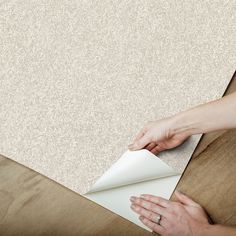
(135, 207)
(142, 196)
(132, 199)
(130, 146)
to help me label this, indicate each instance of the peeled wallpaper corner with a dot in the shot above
(133, 167)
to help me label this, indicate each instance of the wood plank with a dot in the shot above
(211, 179)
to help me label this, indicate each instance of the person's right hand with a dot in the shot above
(157, 136)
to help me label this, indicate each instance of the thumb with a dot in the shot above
(185, 199)
(141, 143)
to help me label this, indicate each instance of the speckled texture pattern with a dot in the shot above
(78, 79)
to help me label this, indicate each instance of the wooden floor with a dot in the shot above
(31, 204)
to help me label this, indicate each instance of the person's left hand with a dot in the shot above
(185, 217)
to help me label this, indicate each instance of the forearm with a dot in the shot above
(219, 230)
(216, 115)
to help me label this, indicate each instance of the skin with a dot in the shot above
(184, 217)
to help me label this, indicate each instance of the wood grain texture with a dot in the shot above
(31, 204)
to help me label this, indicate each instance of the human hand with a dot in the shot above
(158, 136)
(185, 218)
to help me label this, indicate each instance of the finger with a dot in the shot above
(157, 149)
(141, 143)
(140, 134)
(154, 217)
(164, 223)
(151, 225)
(150, 146)
(185, 199)
(141, 203)
(157, 200)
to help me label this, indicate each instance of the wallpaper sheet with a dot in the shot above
(78, 79)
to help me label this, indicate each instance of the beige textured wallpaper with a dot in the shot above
(78, 79)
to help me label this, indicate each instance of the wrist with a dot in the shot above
(207, 230)
(217, 230)
(185, 123)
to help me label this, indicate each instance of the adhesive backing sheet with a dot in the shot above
(79, 79)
